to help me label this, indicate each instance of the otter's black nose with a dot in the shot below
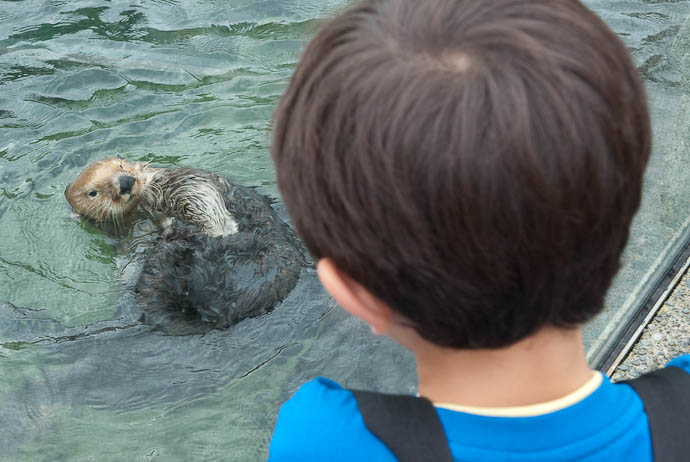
(126, 183)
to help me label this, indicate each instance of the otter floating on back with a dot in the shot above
(223, 254)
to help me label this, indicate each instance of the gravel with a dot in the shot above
(666, 337)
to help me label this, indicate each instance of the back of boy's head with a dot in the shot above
(475, 164)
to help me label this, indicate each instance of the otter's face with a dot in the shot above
(107, 190)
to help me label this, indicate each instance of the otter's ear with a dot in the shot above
(67, 189)
(119, 156)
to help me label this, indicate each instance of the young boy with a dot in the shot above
(465, 173)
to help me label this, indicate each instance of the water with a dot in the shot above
(181, 82)
(658, 34)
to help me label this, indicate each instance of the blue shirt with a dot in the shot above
(321, 422)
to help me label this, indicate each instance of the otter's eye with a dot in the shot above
(93, 193)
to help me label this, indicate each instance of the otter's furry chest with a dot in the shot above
(191, 195)
(192, 281)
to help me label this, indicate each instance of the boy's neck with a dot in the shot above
(545, 366)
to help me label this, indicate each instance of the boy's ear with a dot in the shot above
(354, 297)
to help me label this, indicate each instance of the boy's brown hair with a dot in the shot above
(475, 164)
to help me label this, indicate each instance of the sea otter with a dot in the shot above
(223, 254)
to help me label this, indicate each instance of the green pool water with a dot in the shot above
(194, 83)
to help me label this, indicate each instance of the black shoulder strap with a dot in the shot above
(409, 426)
(666, 397)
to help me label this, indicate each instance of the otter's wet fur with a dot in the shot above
(223, 253)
